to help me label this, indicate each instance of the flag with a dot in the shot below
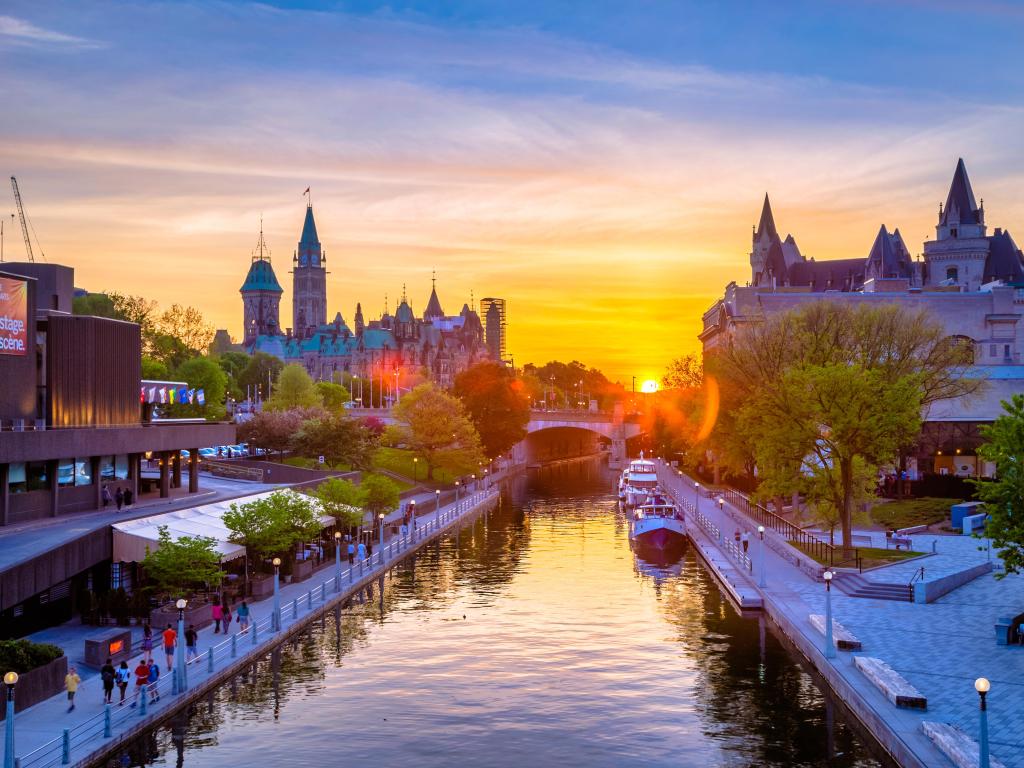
(183, 395)
(307, 191)
(151, 398)
(163, 394)
(172, 395)
(191, 395)
(201, 397)
(142, 394)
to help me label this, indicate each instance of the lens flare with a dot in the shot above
(649, 386)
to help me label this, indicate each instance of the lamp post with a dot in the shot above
(337, 561)
(412, 516)
(415, 467)
(473, 478)
(10, 680)
(485, 478)
(830, 649)
(179, 662)
(696, 496)
(981, 685)
(437, 500)
(456, 495)
(380, 517)
(761, 580)
(721, 504)
(275, 617)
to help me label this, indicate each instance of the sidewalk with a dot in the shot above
(940, 647)
(38, 739)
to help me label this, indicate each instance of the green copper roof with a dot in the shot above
(261, 277)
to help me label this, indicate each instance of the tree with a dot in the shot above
(94, 304)
(273, 430)
(1004, 496)
(496, 405)
(233, 364)
(685, 372)
(434, 425)
(178, 567)
(339, 439)
(186, 325)
(154, 370)
(203, 373)
(334, 396)
(380, 495)
(257, 375)
(274, 524)
(343, 500)
(293, 389)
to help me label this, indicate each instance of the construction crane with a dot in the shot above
(24, 221)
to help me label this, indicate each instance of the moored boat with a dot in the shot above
(657, 523)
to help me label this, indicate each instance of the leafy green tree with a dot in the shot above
(95, 305)
(434, 425)
(293, 389)
(179, 567)
(187, 326)
(275, 430)
(203, 373)
(334, 396)
(343, 500)
(339, 439)
(274, 524)
(1004, 496)
(380, 495)
(233, 364)
(154, 369)
(685, 372)
(257, 375)
(496, 405)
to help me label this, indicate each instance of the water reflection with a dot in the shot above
(534, 635)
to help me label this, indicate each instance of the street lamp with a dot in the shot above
(381, 518)
(696, 496)
(415, 463)
(761, 581)
(437, 500)
(456, 494)
(981, 685)
(275, 618)
(721, 504)
(337, 561)
(473, 478)
(10, 680)
(830, 649)
(485, 478)
(179, 662)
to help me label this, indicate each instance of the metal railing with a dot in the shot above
(731, 548)
(918, 576)
(59, 751)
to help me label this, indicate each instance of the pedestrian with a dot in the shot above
(153, 679)
(169, 637)
(218, 614)
(351, 553)
(129, 497)
(71, 681)
(108, 674)
(106, 496)
(191, 638)
(227, 619)
(737, 537)
(124, 676)
(243, 616)
(369, 548)
(141, 679)
(362, 551)
(119, 498)
(745, 539)
(147, 639)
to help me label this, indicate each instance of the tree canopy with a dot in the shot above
(257, 375)
(274, 430)
(203, 373)
(1004, 496)
(339, 439)
(179, 567)
(333, 396)
(434, 424)
(380, 495)
(496, 405)
(293, 389)
(343, 500)
(274, 524)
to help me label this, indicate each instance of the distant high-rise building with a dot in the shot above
(493, 312)
(309, 281)
(261, 296)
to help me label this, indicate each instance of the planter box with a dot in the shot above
(301, 570)
(36, 686)
(262, 587)
(115, 644)
(200, 615)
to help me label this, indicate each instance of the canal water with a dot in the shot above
(535, 637)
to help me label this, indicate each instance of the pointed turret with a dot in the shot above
(767, 224)
(309, 284)
(960, 206)
(309, 253)
(358, 320)
(433, 310)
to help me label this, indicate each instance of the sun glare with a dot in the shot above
(649, 386)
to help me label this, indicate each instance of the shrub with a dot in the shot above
(23, 655)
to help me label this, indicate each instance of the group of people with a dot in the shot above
(123, 497)
(360, 550)
(146, 675)
(222, 616)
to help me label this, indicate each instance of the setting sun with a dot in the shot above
(649, 386)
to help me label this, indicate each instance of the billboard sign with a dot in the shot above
(13, 316)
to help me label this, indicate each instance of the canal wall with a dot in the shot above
(87, 741)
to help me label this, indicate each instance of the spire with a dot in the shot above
(261, 252)
(433, 310)
(309, 244)
(767, 223)
(960, 200)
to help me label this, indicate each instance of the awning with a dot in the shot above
(132, 538)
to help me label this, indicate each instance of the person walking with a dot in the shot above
(108, 674)
(106, 496)
(119, 498)
(362, 551)
(243, 616)
(170, 636)
(71, 681)
(124, 676)
(351, 553)
(745, 540)
(153, 678)
(737, 536)
(141, 680)
(129, 497)
(369, 548)
(147, 639)
(218, 615)
(227, 619)
(191, 638)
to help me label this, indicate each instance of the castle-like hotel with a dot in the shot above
(971, 282)
(402, 346)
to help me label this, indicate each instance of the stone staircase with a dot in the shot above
(855, 585)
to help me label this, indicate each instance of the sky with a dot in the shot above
(597, 164)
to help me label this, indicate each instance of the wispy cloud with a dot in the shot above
(14, 31)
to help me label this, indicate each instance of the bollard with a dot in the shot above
(234, 646)
(295, 608)
(323, 593)
(145, 698)
(65, 753)
(254, 633)
(209, 661)
(108, 730)
(309, 600)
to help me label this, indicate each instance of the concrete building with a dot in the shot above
(971, 282)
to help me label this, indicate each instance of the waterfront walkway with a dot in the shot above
(940, 647)
(47, 735)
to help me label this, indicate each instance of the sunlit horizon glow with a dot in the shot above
(599, 169)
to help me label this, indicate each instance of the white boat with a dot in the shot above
(657, 523)
(638, 481)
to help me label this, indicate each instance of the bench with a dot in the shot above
(841, 636)
(961, 749)
(891, 683)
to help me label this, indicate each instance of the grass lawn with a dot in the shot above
(400, 461)
(870, 556)
(308, 463)
(904, 513)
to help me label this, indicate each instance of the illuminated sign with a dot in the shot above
(116, 647)
(13, 316)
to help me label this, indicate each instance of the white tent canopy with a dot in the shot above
(133, 537)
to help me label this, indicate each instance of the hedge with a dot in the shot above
(23, 655)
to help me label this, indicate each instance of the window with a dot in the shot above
(952, 232)
(83, 471)
(16, 478)
(1006, 351)
(951, 273)
(106, 468)
(65, 472)
(121, 466)
(35, 476)
(993, 350)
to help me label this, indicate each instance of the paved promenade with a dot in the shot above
(40, 740)
(940, 647)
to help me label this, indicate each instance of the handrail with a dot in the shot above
(918, 576)
(716, 534)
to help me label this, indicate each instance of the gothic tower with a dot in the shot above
(360, 325)
(765, 236)
(957, 255)
(261, 297)
(309, 281)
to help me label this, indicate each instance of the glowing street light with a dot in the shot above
(830, 649)
(982, 685)
(276, 615)
(10, 680)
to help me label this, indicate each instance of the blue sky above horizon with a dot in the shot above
(599, 163)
